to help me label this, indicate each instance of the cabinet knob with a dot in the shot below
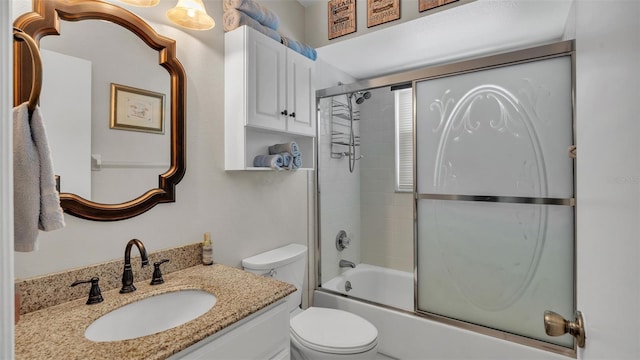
(284, 112)
(292, 114)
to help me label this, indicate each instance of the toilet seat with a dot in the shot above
(333, 331)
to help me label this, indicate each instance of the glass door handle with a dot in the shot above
(556, 325)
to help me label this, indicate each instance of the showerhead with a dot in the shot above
(362, 97)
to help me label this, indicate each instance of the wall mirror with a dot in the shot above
(113, 100)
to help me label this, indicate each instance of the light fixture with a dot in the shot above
(142, 3)
(191, 14)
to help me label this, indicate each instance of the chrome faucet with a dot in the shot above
(127, 275)
(347, 263)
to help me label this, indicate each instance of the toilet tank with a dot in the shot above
(287, 263)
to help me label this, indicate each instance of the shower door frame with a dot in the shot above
(556, 50)
(536, 53)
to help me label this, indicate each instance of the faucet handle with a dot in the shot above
(95, 296)
(157, 274)
(342, 240)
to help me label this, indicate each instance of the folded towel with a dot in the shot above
(300, 48)
(256, 11)
(286, 160)
(273, 161)
(233, 19)
(290, 147)
(296, 162)
(36, 201)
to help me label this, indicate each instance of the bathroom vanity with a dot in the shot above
(250, 309)
(263, 335)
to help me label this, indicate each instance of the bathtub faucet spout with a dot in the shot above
(347, 263)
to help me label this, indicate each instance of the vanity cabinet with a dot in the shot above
(260, 336)
(269, 98)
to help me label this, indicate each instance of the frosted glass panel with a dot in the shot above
(502, 131)
(496, 265)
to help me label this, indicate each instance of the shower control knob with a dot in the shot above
(342, 240)
(292, 114)
(284, 112)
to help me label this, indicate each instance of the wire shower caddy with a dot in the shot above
(344, 141)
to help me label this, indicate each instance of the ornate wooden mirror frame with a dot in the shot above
(45, 20)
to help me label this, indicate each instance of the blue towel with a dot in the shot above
(296, 162)
(273, 161)
(256, 11)
(233, 19)
(290, 147)
(299, 47)
(287, 160)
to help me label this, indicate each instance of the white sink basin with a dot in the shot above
(151, 315)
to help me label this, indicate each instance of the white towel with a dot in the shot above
(259, 13)
(36, 201)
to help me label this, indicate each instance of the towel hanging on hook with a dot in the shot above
(36, 62)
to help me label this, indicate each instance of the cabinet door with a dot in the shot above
(301, 94)
(264, 335)
(266, 82)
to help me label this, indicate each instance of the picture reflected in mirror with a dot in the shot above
(94, 161)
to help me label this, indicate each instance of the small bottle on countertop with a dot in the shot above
(207, 250)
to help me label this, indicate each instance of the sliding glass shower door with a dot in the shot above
(495, 196)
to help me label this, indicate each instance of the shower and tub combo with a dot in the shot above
(483, 237)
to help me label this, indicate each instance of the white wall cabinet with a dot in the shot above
(269, 98)
(301, 94)
(260, 336)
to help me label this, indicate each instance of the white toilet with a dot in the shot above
(316, 333)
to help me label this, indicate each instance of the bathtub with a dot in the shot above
(401, 333)
(393, 288)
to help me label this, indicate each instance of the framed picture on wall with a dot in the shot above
(341, 17)
(430, 4)
(136, 109)
(382, 11)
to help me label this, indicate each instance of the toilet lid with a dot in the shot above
(333, 331)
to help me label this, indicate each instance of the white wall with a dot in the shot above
(316, 27)
(339, 189)
(339, 197)
(386, 215)
(67, 112)
(246, 212)
(608, 176)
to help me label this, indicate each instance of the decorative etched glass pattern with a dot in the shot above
(508, 136)
(502, 132)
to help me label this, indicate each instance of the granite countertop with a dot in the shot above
(57, 332)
